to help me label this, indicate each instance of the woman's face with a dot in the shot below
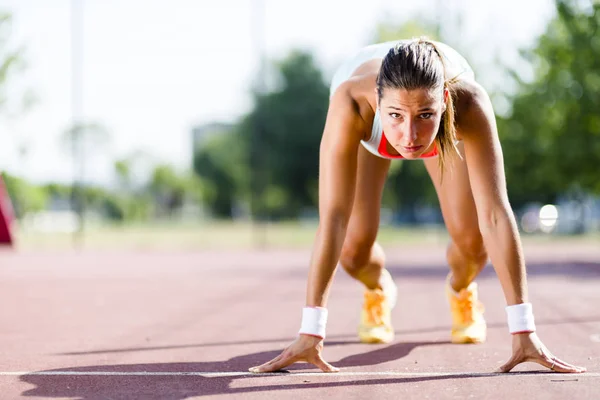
(411, 118)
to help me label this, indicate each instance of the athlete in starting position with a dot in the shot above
(414, 99)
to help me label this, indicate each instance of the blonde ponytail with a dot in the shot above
(446, 138)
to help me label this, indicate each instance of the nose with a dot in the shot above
(410, 136)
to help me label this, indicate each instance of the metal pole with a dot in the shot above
(77, 198)
(258, 146)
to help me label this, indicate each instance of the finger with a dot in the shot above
(324, 365)
(268, 363)
(275, 365)
(565, 367)
(279, 357)
(272, 360)
(548, 360)
(510, 364)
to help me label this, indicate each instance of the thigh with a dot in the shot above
(455, 196)
(370, 181)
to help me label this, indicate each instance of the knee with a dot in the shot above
(469, 242)
(356, 255)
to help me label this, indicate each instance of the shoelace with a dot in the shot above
(466, 305)
(374, 308)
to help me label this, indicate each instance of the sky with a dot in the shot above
(154, 69)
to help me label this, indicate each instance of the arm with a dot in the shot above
(337, 180)
(497, 223)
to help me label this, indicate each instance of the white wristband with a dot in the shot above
(520, 318)
(314, 321)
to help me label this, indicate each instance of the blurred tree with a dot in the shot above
(81, 142)
(57, 190)
(133, 200)
(284, 133)
(120, 207)
(270, 159)
(551, 137)
(133, 171)
(123, 170)
(221, 164)
(170, 189)
(21, 100)
(26, 197)
(12, 62)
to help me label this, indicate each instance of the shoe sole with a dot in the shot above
(375, 340)
(468, 341)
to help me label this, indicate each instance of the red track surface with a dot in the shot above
(171, 325)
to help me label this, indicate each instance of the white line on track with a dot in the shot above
(293, 374)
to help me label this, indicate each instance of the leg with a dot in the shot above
(466, 253)
(361, 256)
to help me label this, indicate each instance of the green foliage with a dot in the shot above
(409, 185)
(118, 207)
(56, 190)
(283, 133)
(551, 139)
(26, 197)
(123, 170)
(124, 208)
(221, 165)
(170, 189)
(271, 159)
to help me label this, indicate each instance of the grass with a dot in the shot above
(209, 235)
(231, 235)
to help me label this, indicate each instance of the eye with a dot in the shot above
(426, 115)
(395, 115)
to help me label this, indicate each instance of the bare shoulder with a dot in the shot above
(343, 105)
(472, 105)
(350, 108)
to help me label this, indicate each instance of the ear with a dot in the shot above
(376, 97)
(446, 95)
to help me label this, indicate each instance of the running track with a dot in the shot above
(166, 325)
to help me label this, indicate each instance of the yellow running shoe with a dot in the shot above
(376, 320)
(468, 324)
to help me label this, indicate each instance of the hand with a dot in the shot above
(529, 347)
(304, 348)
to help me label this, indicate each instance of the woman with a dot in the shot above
(414, 99)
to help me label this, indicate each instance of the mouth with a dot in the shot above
(411, 149)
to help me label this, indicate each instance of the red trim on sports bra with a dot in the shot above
(383, 149)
